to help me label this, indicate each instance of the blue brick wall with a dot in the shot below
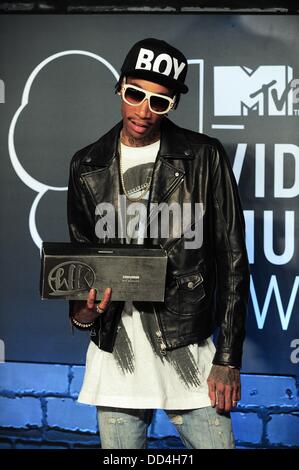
(39, 409)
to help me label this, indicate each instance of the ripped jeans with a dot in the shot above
(200, 428)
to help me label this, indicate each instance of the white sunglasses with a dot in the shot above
(134, 96)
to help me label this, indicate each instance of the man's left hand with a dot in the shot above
(224, 387)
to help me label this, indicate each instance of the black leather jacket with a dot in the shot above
(205, 287)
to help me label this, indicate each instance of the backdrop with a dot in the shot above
(57, 81)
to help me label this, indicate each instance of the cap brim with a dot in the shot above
(159, 78)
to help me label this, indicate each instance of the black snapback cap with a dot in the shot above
(157, 61)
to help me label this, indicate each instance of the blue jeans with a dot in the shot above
(200, 428)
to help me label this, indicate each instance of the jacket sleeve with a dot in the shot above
(231, 261)
(80, 215)
(81, 222)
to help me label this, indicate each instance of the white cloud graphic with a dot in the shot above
(31, 182)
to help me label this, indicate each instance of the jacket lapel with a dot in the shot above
(169, 169)
(102, 180)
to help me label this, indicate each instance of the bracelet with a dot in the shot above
(81, 325)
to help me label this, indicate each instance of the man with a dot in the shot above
(148, 355)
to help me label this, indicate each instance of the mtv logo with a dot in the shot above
(265, 91)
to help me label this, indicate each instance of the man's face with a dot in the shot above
(140, 125)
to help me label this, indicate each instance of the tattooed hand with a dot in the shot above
(224, 387)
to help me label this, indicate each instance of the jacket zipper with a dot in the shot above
(159, 335)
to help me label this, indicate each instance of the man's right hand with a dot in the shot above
(86, 312)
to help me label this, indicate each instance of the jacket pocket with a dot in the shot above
(191, 292)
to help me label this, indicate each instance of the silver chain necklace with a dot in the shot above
(146, 186)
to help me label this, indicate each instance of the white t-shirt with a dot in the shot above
(137, 374)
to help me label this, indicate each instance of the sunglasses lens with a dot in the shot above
(134, 96)
(159, 104)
